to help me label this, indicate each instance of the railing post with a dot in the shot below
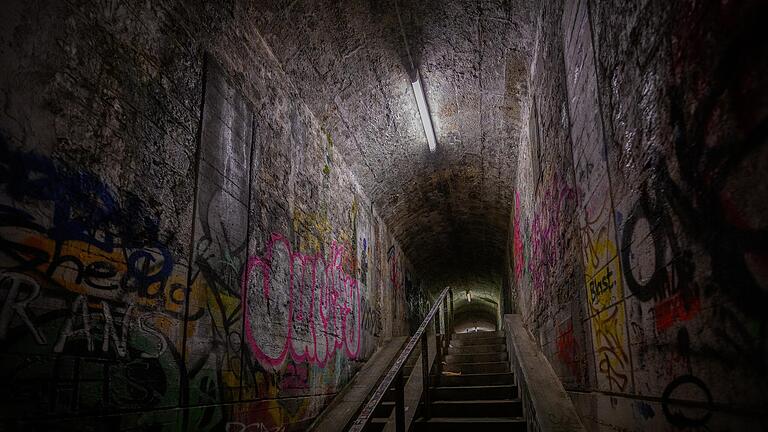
(438, 348)
(399, 402)
(446, 323)
(395, 373)
(451, 312)
(425, 371)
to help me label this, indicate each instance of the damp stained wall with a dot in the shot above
(181, 248)
(637, 245)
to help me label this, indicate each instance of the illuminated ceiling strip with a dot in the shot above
(426, 120)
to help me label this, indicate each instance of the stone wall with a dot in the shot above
(637, 248)
(182, 248)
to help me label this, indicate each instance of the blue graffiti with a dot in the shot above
(84, 208)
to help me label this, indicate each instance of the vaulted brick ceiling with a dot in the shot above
(351, 62)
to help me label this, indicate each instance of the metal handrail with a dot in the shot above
(395, 373)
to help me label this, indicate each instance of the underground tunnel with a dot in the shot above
(277, 216)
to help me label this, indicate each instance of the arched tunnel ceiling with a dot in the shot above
(350, 63)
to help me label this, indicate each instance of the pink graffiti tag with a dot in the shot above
(518, 247)
(300, 304)
(547, 235)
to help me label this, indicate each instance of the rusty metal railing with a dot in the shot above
(395, 373)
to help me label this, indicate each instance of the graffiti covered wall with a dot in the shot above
(543, 251)
(182, 248)
(638, 237)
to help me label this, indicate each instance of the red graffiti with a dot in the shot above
(301, 304)
(397, 283)
(566, 349)
(296, 377)
(675, 309)
(394, 273)
(517, 241)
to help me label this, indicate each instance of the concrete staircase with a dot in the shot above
(384, 411)
(476, 390)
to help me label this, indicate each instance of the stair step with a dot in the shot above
(478, 367)
(476, 357)
(384, 409)
(466, 349)
(389, 395)
(508, 391)
(479, 335)
(477, 379)
(477, 341)
(477, 408)
(464, 424)
(376, 424)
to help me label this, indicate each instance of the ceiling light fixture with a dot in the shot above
(469, 296)
(426, 120)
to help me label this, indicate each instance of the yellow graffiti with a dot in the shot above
(605, 295)
(610, 341)
(598, 247)
(353, 211)
(312, 229)
(84, 268)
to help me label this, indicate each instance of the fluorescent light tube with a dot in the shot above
(426, 121)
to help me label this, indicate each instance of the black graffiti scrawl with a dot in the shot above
(92, 295)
